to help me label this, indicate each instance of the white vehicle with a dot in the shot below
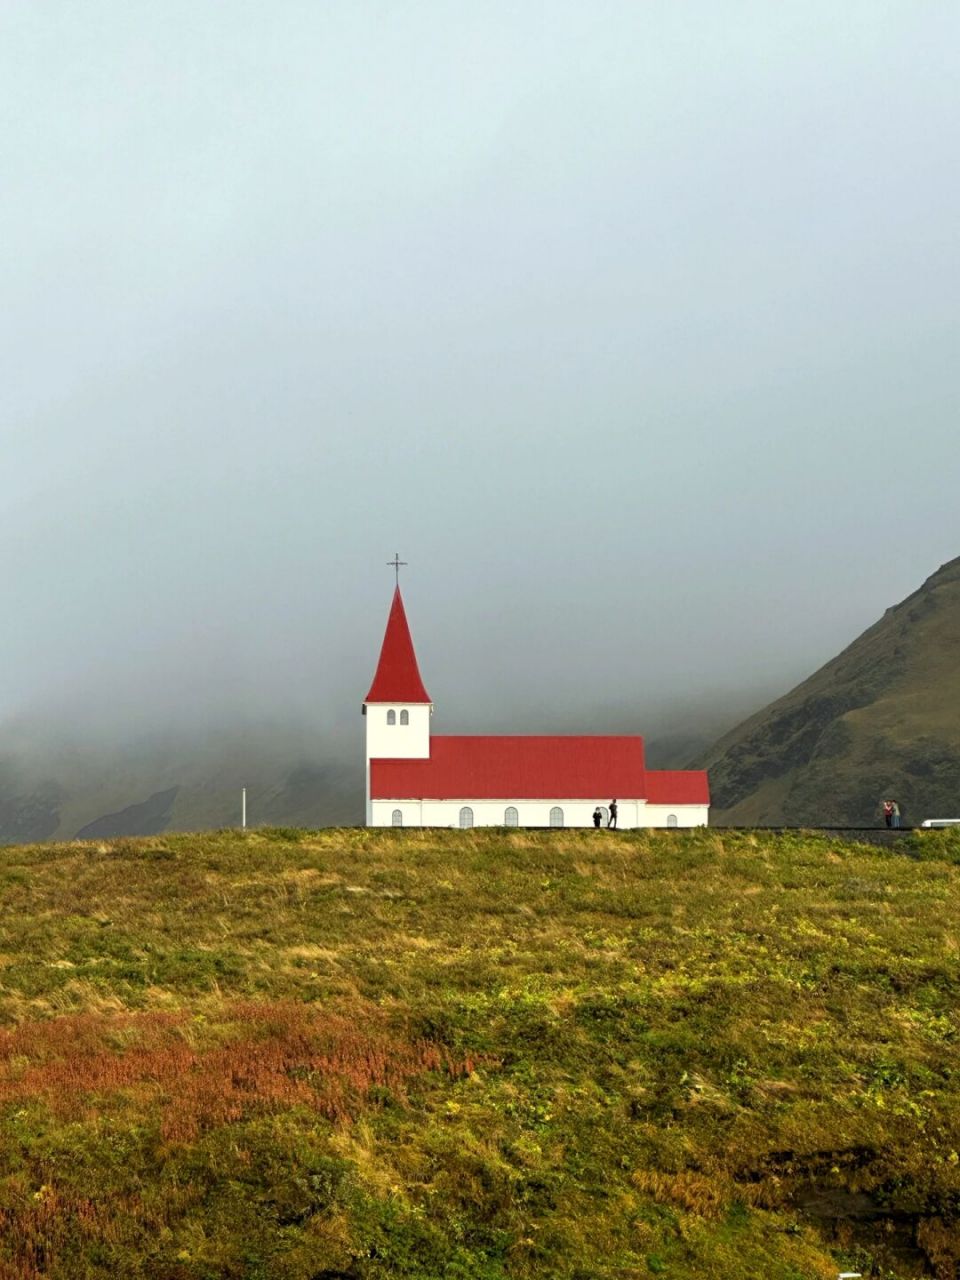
(941, 822)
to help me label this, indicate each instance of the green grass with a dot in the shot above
(477, 1055)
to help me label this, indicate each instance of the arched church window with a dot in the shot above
(510, 816)
(556, 816)
(404, 717)
(671, 819)
(391, 716)
(466, 816)
(398, 817)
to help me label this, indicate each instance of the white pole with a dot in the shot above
(243, 809)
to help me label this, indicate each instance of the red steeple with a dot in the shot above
(398, 676)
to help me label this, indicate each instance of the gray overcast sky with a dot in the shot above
(632, 326)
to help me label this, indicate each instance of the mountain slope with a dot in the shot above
(882, 718)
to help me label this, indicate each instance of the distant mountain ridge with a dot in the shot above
(880, 719)
(191, 783)
(147, 818)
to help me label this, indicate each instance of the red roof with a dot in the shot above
(677, 786)
(533, 768)
(397, 677)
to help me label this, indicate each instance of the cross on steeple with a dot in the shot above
(396, 564)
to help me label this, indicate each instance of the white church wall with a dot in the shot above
(398, 741)
(532, 813)
(687, 815)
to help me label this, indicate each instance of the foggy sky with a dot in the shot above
(632, 326)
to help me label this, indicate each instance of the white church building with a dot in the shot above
(418, 779)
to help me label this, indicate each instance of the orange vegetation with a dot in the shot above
(276, 1056)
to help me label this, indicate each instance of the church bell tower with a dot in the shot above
(397, 706)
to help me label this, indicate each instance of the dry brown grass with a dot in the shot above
(279, 1055)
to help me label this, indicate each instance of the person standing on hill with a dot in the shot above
(896, 815)
(597, 817)
(613, 815)
(888, 812)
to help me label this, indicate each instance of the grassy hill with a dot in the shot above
(478, 1055)
(881, 719)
